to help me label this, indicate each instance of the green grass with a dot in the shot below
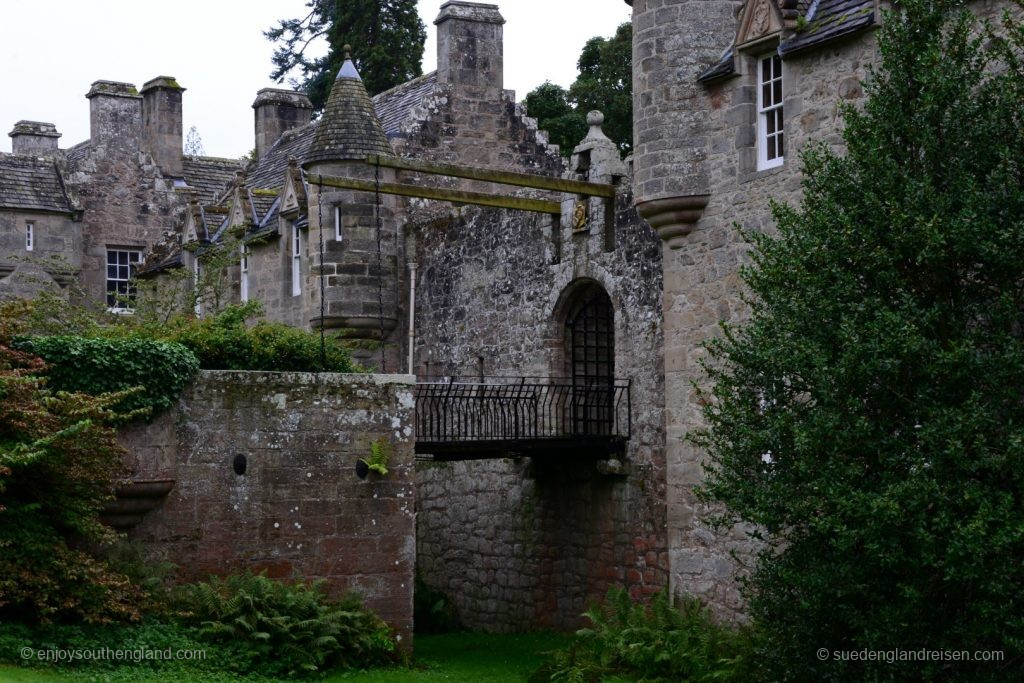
(451, 657)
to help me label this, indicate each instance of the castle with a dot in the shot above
(553, 311)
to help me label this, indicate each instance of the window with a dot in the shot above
(30, 238)
(296, 261)
(769, 113)
(243, 284)
(121, 264)
(337, 222)
(197, 272)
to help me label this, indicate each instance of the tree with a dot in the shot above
(605, 83)
(549, 104)
(868, 417)
(387, 39)
(194, 143)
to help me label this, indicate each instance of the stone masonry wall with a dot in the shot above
(127, 202)
(299, 508)
(53, 261)
(527, 543)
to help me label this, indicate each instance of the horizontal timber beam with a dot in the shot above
(441, 194)
(538, 182)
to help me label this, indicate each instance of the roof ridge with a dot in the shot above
(404, 84)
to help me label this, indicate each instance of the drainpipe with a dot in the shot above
(412, 313)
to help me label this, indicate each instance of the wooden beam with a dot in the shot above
(538, 182)
(441, 194)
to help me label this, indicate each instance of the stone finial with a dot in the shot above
(597, 157)
(347, 49)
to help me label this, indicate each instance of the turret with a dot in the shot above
(362, 288)
(672, 43)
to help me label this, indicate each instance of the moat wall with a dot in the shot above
(299, 509)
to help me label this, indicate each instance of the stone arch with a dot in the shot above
(585, 318)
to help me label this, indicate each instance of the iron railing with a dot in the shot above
(495, 409)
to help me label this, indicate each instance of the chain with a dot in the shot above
(380, 266)
(320, 224)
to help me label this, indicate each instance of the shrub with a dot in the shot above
(99, 366)
(867, 418)
(227, 342)
(145, 644)
(651, 643)
(287, 629)
(59, 462)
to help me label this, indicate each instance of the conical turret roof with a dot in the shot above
(349, 128)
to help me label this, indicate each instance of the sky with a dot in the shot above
(50, 53)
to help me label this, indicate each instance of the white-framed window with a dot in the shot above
(337, 222)
(243, 282)
(296, 261)
(30, 236)
(121, 264)
(770, 142)
(197, 272)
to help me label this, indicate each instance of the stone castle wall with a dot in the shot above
(528, 543)
(299, 509)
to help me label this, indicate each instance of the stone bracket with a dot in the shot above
(673, 218)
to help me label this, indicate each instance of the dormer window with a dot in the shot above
(243, 284)
(770, 144)
(30, 236)
(296, 261)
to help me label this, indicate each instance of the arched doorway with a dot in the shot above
(590, 346)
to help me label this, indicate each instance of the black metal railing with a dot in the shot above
(495, 409)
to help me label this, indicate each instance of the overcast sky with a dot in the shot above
(50, 52)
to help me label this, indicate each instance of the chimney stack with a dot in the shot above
(34, 138)
(277, 111)
(115, 114)
(470, 48)
(161, 124)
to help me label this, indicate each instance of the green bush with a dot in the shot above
(155, 636)
(867, 418)
(651, 643)
(98, 366)
(227, 342)
(59, 462)
(286, 629)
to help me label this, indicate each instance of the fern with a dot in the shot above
(655, 642)
(287, 630)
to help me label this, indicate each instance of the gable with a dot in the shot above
(760, 21)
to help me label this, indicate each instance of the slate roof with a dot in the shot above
(209, 175)
(33, 184)
(269, 171)
(829, 19)
(349, 127)
(76, 154)
(826, 20)
(393, 105)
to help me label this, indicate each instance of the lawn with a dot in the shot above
(451, 657)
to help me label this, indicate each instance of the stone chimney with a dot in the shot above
(276, 112)
(161, 124)
(34, 138)
(470, 48)
(115, 114)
